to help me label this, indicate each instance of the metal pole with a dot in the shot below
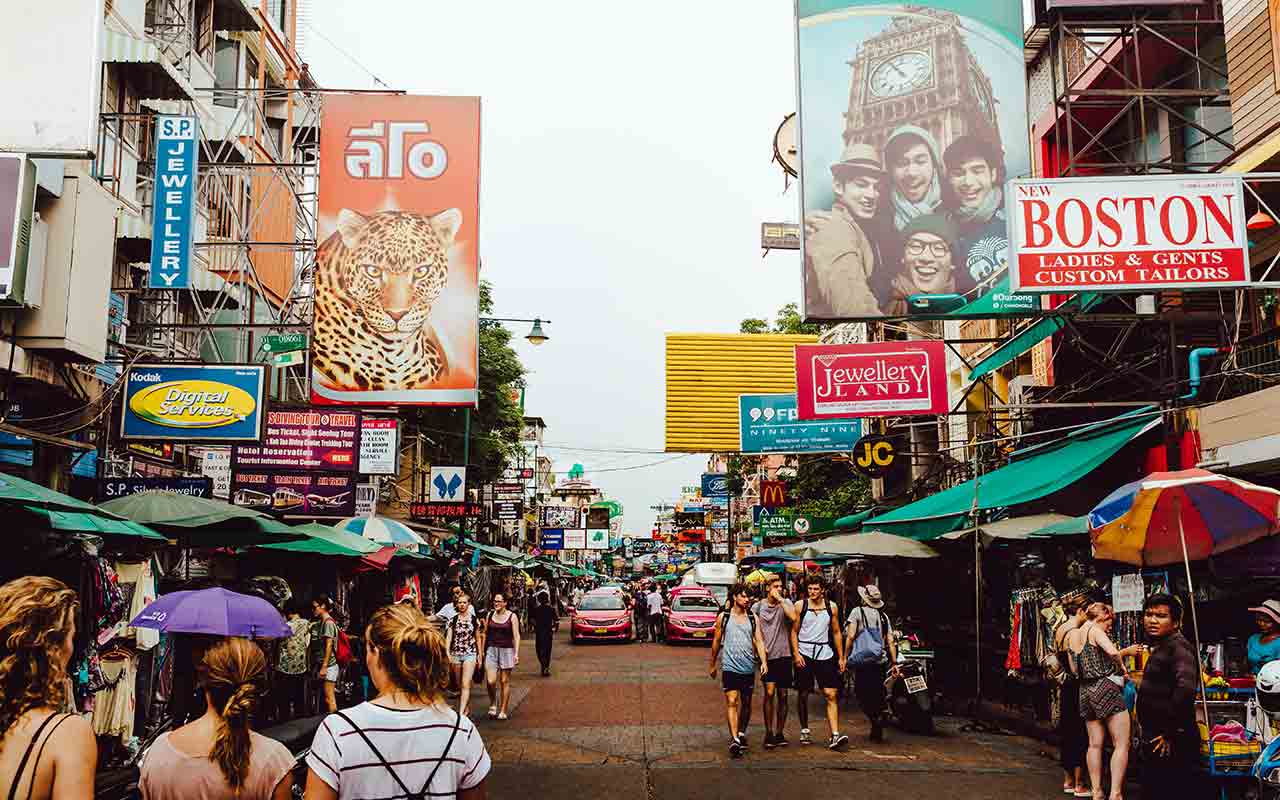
(466, 462)
(1191, 596)
(977, 583)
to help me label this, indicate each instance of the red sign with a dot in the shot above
(773, 494)
(1128, 234)
(879, 379)
(304, 439)
(692, 536)
(444, 510)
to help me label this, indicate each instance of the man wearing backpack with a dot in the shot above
(737, 648)
(871, 650)
(818, 645)
(777, 616)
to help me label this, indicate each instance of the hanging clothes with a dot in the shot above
(139, 583)
(114, 705)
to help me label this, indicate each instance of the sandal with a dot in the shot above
(502, 715)
(493, 712)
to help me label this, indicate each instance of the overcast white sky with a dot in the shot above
(625, 166)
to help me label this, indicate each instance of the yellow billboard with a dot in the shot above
(705, 374)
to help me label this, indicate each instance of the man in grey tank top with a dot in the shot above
(776, 615)
(737, 648)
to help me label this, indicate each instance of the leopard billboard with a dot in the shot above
(397, 262)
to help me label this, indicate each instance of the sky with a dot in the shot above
(625, 170)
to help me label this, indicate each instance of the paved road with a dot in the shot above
(643, 721)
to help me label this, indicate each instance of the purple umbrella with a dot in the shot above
(216, 612)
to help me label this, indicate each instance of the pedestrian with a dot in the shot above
(577, 595)
(291, 666)
(776, 616)
(501, 654)
(1264, 646)
(464, 640)
(218, 757)
(450, 607)
(406, 742)
(44, 751)
(871, 650)
(324, 655)
(818, 644)
(1166, 704)
(656, 621)
(736, 649)
(1073, 739)
(545, 623)
(1101, 675)
(641, 616)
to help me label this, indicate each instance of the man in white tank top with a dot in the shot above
(818, 644)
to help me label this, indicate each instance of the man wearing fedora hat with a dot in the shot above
(840, 252)
(868, 678)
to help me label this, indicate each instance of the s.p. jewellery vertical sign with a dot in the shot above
(177, 152)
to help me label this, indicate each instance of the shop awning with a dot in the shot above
(96, 524)
(1030, 526)
(499, 555)
(143, 67)
(201, 522)
(327, 541)
(854, 520)
(1034, 473)
(1031, 336)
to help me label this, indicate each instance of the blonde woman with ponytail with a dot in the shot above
(406, 742)
(218, 757)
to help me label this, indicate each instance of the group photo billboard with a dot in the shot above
(397, 267)
(912, 118)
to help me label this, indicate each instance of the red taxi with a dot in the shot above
(692, 615)
(603, 616)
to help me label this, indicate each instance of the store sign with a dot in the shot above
(690, 519)
(770, 423)
(720, 548)
(508, 511)
(215, 464)
(692, 536)
(773, 494)
(379, 445)
(874, 456)
(783, 524)
(173, 206)
(598, 518)
(558, 516)
(109, 489)
(575, 539)
(300, 494)
(210, 402)
(160, 451)
(447, 484)
(780, 235)
(598, 539)
(320, 439)
(715, 484)
(1128, 234)
(292, 358)
(284, 342)
(879, 379)
(366, 499)
(552, 539)
(447, 511)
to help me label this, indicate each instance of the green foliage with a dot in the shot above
(788, 320)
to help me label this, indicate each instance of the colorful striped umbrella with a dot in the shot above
(381, 529)
(1168, 517)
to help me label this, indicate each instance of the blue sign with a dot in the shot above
(552, 539)
(715, 484)
(197, 402)
(111, 488)
(769, 423)
(173, 206)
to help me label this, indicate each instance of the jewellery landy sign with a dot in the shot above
(880, 379)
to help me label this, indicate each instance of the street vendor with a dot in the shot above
(1264, 645)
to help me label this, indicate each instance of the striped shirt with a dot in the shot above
(342, 759)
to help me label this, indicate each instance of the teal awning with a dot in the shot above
(854, 520)
(1031, 336)
(1034, 473)
(1076, 526)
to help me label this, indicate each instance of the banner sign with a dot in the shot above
(321, 439)
(912, 117)
(508, 510)
(878, 379)
(874, 456)
(160, 451)
(552, 539)
(558, 516)
(110, 488)
(379, 445)
(399, 200)
(781, 524)
(366, 499)
(284, 342)
(597, 539)
(598, 518)
(215, 464)
(447, 484)
(770, 423)
(715, 484)
(690, 519)
(310, 494)
(692, 536)
(773, 494)
(200, 402)
(173, 202)
(575, 539)
(453, 511)
(1128, 234)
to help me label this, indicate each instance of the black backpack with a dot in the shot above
(804, 609)
(751, 617)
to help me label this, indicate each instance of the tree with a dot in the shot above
(788, 320)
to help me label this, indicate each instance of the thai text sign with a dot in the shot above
(304, 439)
(1136, 234)
(310, 494)
(193, 403)
(177, 151)
(770, 423)
(575, 539)
(878, 379)
(379, 444)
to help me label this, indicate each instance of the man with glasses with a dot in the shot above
(928, 261)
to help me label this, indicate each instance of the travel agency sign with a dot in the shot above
(877, 379)
(1128, 234)
(201, 402)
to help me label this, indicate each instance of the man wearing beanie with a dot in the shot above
(840, 255)
(929, 250)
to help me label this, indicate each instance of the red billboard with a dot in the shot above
(1128, 234)
(310, 439)
(878, 379)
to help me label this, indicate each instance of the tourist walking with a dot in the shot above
(1166, 704)
(818, 645)
(218, 757)
(501, 655)
(656, 622)
(1102, 705)
(776, 616)
(545, 623)
(1073, 739)
(871, 650)
(640, 619)
(324, 652)
(736, 649)
(289, 686)
(44, 751)
(406, 742)
(464, 640)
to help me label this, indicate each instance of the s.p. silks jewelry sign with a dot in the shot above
(222, 402)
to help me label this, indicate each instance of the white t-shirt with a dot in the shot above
(447, 611)
(655, 603)
(341, 758)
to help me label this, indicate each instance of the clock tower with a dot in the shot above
(919, 71)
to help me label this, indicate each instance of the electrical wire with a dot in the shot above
(347, 55)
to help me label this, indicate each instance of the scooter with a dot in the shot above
(907, 692)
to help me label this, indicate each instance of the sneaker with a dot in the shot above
(770, 741)
(780, 740)
(838, 740)
(805, 737)
(735, 748)
(742, 740)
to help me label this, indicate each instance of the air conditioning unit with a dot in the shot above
(17, 216)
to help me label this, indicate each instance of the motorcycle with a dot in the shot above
(907, 691)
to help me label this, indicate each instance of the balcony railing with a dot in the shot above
(1256, 366)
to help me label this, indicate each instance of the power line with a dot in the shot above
(348, 56)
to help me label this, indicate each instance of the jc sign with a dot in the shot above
(873, 456)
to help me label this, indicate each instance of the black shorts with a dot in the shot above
(736, 681)
(824, 673)
(780, 673)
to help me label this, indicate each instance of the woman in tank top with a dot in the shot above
(501, 654)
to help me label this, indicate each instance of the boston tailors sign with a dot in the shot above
(882, 379)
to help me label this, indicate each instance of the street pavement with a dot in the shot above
(644, 721)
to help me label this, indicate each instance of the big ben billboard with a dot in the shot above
(912, 118)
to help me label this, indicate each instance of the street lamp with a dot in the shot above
(536, 335)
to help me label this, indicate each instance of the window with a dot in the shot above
(278, 13)
(204, 29)
(226, 73)
(602, 602)
(696, 603)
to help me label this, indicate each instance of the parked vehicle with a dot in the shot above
(691, 617)
(907, 690)
(602, 616)
(714, 576)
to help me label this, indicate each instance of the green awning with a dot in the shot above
(201, 522)
(21, 491)
(854, 520)
(325, 540)
(97, 524)
(1034, 473)
(1075, 526)
(1031, 336)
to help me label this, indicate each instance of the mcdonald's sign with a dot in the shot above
(773, 494)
